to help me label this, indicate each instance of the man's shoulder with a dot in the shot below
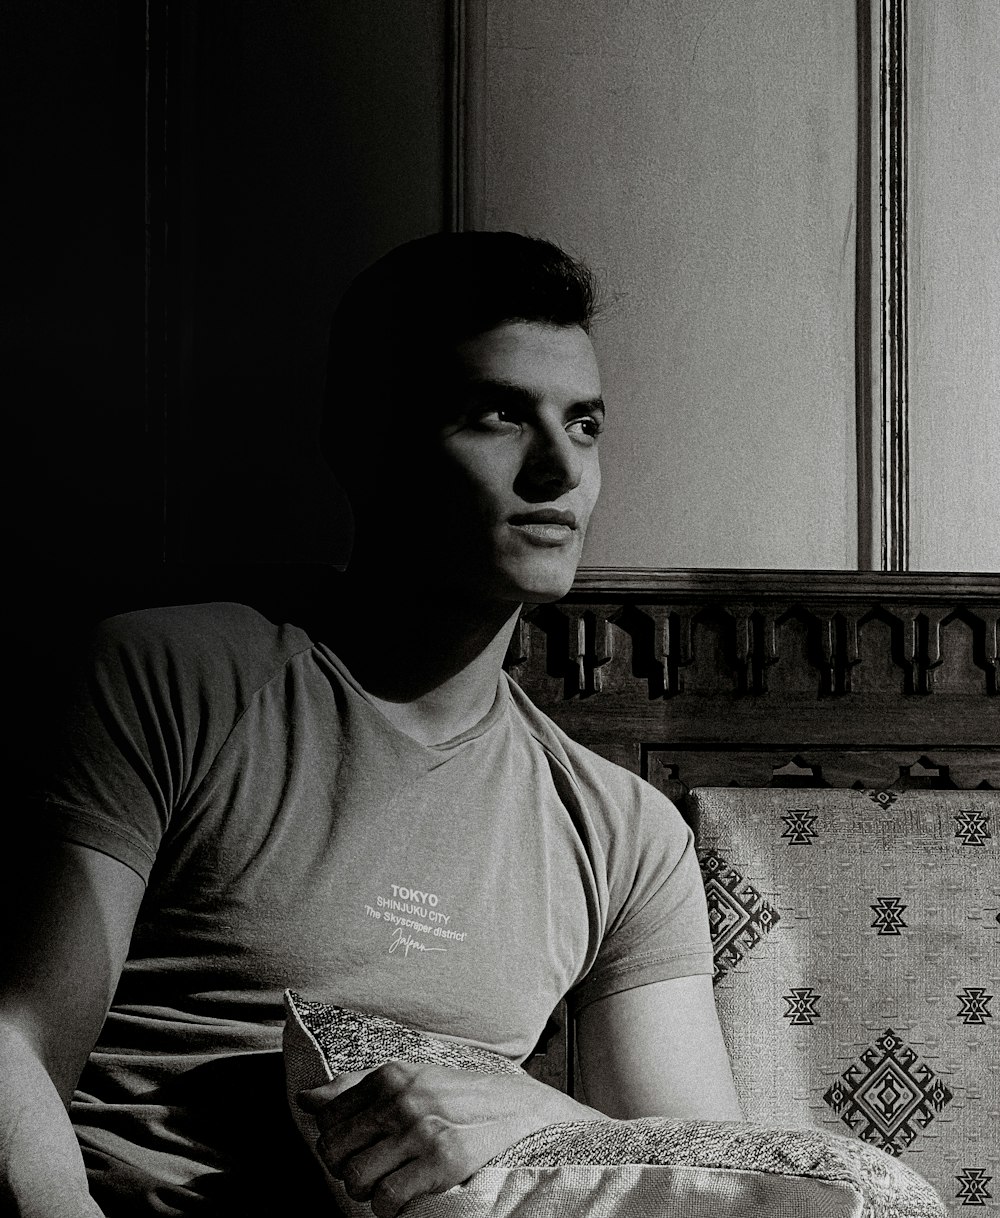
(588, 768)
(215, 637)
(618, 811)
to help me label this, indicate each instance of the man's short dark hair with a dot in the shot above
(397, 325)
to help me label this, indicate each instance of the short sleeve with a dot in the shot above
(657, 924)
(158, 694)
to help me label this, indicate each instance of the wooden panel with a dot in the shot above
(709, 678)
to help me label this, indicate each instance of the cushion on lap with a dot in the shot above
(610, 1169)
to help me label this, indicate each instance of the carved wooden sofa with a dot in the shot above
(834, 738)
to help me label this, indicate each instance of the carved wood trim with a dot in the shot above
(705, 584)
(583, 636)
(826, 670)
(676, 770)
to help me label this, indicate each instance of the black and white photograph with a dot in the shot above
(504, 607)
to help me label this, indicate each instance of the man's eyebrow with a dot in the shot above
(488, 388)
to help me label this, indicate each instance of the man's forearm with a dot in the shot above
(41, 1168)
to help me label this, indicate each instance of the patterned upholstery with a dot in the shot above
(857, 945)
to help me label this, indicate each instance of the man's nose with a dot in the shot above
(552, 466)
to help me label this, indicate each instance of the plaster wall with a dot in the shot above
(702, 159)
(955, 286)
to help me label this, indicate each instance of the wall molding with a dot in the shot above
(882, 288)
(465, 113)
(866, 297)
(894, 287)
(456, 98)
(709, 584)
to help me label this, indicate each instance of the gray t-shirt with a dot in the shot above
(291, 836)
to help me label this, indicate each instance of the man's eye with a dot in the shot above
(497, 418)
(586, 425)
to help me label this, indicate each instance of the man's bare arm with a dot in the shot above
(405, 1130)
(68, 918)
(657, 1050)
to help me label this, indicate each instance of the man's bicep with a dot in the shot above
(68, 918)
(657, 1050)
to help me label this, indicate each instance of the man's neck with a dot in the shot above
(430, 664)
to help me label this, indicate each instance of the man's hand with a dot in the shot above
(404, 1130)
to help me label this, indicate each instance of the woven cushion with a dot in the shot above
(610, 1169)
(856, 944)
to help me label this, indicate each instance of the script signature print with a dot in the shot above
(402, 940)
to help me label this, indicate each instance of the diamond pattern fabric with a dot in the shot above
(868, 1005)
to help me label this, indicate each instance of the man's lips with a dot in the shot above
(545, 516)
(545, 527)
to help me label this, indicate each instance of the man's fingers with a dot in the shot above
(399, 1168)
(316, 1098)
(413, 1179)
(341, 1140)
(362, 1171)
(354, 1118)
(406, 1130)
(351, 1091)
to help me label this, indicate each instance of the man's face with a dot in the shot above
(514, 469)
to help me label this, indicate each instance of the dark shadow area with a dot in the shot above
(50, 613)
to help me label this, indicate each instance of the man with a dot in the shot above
(242, 806)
